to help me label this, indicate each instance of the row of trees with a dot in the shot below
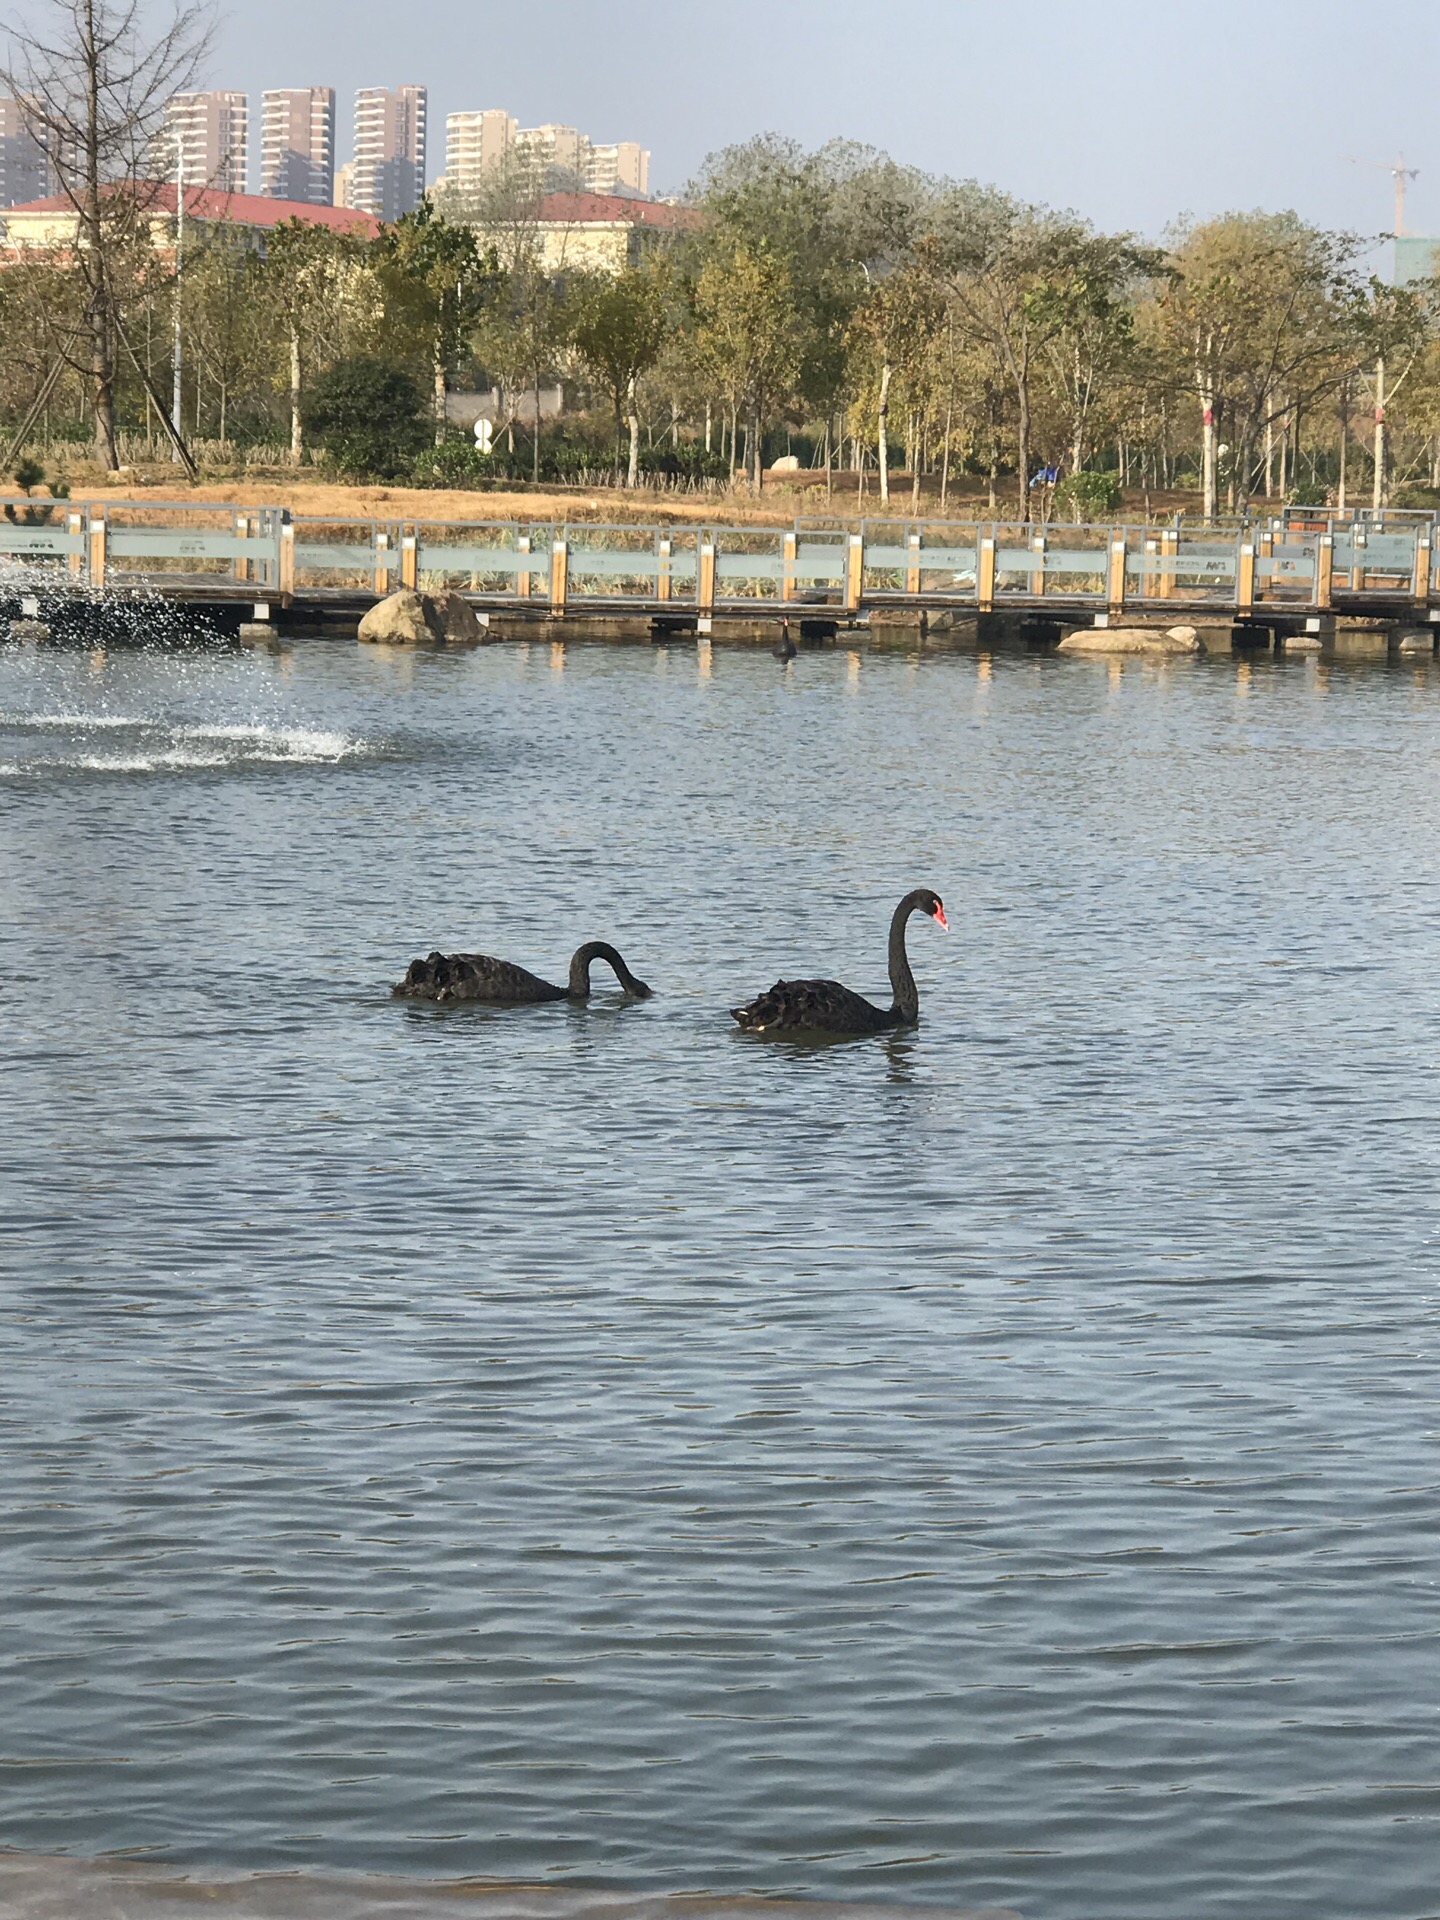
(879, 318)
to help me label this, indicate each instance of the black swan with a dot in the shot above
(787, 649)
(824, 1006)
(478, 976)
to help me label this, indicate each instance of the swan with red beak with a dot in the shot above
(827, 1007)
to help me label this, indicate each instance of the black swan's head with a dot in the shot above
(924, 901)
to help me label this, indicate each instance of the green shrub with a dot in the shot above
(1309, 496)
(457, 463)
(369, 417)
(28, 473)
(1413, 497)
(1088, 496)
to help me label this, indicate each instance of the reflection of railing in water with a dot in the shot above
(1303, 561)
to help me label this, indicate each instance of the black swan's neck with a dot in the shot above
(579, 988)
(902, 980)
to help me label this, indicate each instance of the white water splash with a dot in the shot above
(166, 747)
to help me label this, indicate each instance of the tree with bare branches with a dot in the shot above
(93, 79)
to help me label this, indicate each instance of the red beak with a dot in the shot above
(940, 917)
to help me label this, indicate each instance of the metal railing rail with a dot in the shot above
(1287, 564)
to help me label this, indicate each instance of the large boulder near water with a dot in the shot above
(410, 619)
(1132, 640)
(456, 618)
(401, 620)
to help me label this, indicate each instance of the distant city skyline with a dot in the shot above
(1130, 114)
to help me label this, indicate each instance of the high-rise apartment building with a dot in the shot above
(213, 130)
(556, 152)
(562, 157)
(473, 142)
(389, 176)
(297, 145)
(25, 170)
(623, 164)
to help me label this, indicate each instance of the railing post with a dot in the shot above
(1264, 550)
(99, 536)
(1037, 577)
(1324, 570)
(912, 564)
(1245, 577)
(854, 572)
(287, 561)
(1169, 550)
(705, 578)
(522, 579)
(985, 574)
(788, 550)
(559, 574)
(1115, 590)
(662, 572)
(410, 561)
(1357, 558)
(1420, 583)
(77, 532)
(382, 572)
(241, 530)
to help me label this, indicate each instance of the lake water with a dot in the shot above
(989, 1465)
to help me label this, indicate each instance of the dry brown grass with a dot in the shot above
(783, 498)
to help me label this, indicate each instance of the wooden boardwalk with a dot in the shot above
(1281, 571)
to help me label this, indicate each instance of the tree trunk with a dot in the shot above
(1022, 395)
(440, 389)
(1344, 442)
(757, 452)
(632, 476)
(945, 462)
(1209, 466)
(884, 426)
(102, 377)
(297, 434)
(535, 462)
(707, 426)
(1379, 494)
(916, 458)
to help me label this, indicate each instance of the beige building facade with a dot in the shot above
(212, 134)
(297, 144)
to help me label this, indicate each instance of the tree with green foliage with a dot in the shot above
(434, 284)
(369, 416)
(309, 270)
(617, 324)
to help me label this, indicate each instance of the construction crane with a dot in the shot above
(1400, 173)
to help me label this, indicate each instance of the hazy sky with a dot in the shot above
(1128, 112)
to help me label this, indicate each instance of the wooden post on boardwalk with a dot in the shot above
(912, 564)
(788, 549)
(410, 561)
(1324, 571)
(99, 536)
(662, 572)
(1245, 577)
(522, 580)
(1420, 583)
(985, 574)
(1115, 591)
(287, 560)
(854, 572)
(77, 532)
(1169, 550)
(705, 578)
(559, 575)
(382, 572)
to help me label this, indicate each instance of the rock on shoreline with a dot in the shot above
(410, 619)
(1132, 640)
